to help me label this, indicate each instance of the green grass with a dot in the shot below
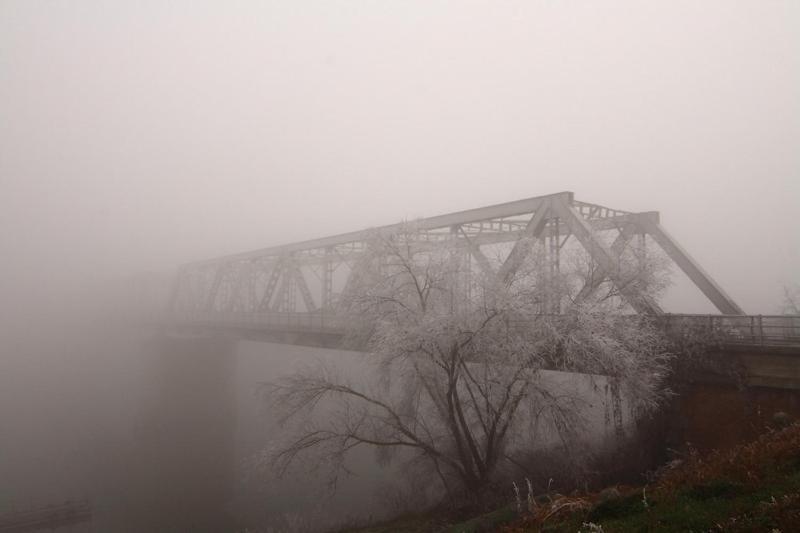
(704, 508)
(751, 487)
(716, 506)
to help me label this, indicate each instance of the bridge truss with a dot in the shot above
(298, 286)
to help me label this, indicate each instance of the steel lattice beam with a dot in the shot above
(604, 257)
(272, 280)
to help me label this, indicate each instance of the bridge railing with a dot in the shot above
(750, 330)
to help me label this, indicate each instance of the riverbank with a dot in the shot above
(751, 487)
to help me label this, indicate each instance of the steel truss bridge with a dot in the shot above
(291, 293)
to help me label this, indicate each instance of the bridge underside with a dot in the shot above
(266, 331)
(305, 282)
(764, 350)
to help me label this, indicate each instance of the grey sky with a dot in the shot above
(138, 135)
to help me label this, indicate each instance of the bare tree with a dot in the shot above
(791, 300)
(462, 357)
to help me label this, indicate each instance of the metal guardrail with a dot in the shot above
(748, 330)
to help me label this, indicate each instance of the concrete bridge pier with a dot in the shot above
(720, 415)
(718, 411)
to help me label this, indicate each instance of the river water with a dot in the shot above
(82, 416)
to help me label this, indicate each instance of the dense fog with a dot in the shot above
(139, 136)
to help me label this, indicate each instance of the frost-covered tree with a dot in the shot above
(462, 355)
(791, 300)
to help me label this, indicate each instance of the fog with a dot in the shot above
(136, 136)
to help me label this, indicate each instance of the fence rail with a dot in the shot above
(746, 330)
(749, 330)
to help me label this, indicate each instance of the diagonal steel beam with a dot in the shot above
(212, 292)
(240, 273)
(476, 252)
(353, 278)
(582, 231)
(274, 277)
(522, 247)
(617, 247)
(328, 269)
(692, 269)
(300, 282)
(283, 300)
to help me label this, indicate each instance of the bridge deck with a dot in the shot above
(328, 329)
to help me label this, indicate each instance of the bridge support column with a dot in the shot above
(719, 411)
(719, 415)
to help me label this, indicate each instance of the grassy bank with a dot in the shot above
(752, 487)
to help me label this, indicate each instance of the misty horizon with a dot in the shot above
(147, 136)
(136, 137)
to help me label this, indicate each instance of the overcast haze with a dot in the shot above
(139, 135)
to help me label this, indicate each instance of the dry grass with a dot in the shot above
(744, 472)
(747, 464)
